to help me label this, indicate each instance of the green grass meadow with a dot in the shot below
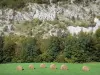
(74, 69)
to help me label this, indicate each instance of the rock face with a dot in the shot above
(60, 11)
(50, 12)
(75, 30)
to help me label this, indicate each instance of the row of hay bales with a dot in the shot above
(52, 66)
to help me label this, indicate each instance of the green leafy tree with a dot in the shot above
(8, 49)
(71, 51)
(77, 48)
(1, 48)
(97, 44)
(97, 33)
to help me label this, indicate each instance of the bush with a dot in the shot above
(60, 58)
(97, 33)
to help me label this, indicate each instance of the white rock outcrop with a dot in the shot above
(75, 30)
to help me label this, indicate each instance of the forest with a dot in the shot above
(84, 47)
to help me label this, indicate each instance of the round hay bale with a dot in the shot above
(52, 66)
(64, 67)
(31, 66)
(85, 68)
(19, 68)
(42, 65)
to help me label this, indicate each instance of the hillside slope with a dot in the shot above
(48, 19)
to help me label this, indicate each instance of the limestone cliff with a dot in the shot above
(61, 12)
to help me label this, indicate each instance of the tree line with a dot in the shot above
(84, 47)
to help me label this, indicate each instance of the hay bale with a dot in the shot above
(31, 66)
(85, 68)
(64, 67)
(52, 66)
(19, 68)
(42, 65)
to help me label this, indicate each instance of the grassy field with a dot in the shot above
(74, 69)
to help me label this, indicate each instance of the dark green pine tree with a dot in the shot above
(31, 50)
(54, 47)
